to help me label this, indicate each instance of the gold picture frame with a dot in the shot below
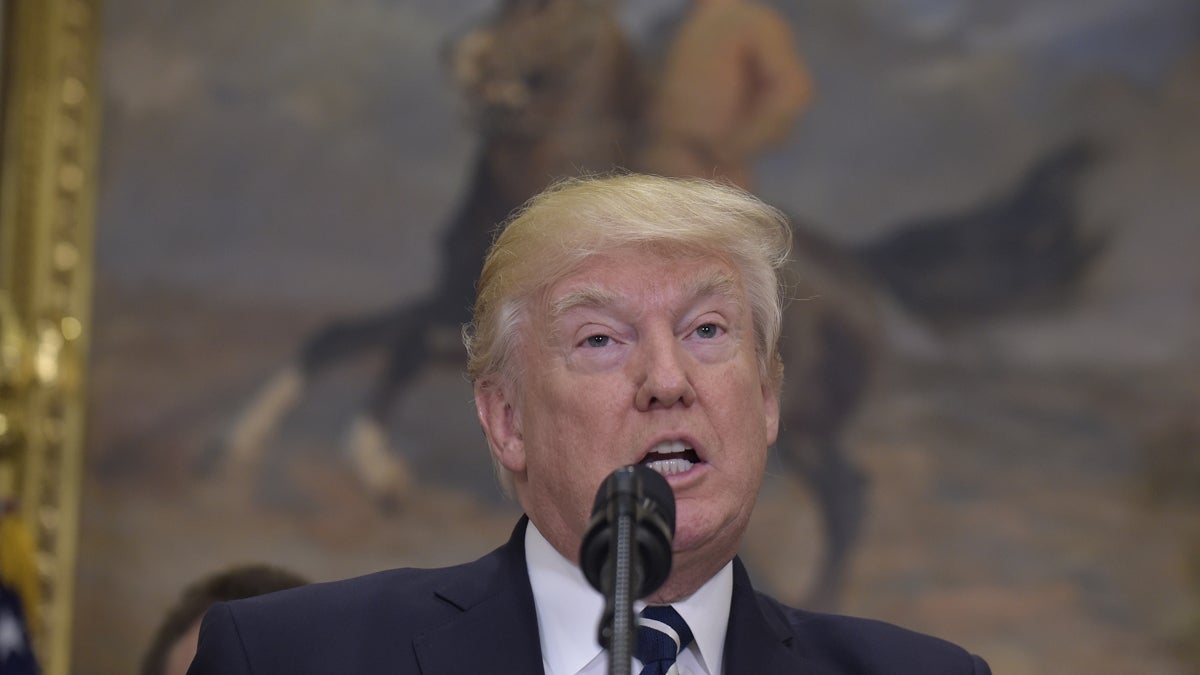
(49, 108)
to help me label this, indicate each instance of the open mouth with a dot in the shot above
(670, 457)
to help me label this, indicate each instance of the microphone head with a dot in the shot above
(644, 494)
(658, 499)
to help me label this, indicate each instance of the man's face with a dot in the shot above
(635, 357)
(183, 651)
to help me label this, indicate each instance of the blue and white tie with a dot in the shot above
(662, 635)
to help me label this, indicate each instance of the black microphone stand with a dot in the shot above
(626, 553)
(616, 625)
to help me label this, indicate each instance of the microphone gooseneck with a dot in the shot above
(626, 550)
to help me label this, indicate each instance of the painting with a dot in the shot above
(990, 426)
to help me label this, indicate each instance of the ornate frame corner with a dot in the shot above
(49, 138)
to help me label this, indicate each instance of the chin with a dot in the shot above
(696, 530)
(690, 538)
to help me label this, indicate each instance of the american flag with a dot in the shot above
(16, 654)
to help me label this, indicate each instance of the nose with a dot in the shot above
(663, 376)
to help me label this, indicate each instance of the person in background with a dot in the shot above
(174, 642)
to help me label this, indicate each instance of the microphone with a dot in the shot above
(626, 550)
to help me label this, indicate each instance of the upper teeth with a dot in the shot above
(668, 447)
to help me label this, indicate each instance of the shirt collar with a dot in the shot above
(707, 614)
(569, 609)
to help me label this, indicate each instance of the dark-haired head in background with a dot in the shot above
(174, 642)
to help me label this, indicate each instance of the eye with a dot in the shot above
(597, 341)
(708, 331)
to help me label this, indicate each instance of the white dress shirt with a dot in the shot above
(569, 609)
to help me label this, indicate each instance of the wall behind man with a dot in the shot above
(271, 166)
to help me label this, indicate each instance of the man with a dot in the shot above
(622, 320)
(732, 86)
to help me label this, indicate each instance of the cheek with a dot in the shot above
(583, 400)
(747, 417)
(564, 428)
(181, 654)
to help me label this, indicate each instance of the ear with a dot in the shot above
(771, 411)
(501, 423)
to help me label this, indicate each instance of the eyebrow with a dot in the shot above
(588, 296)
(593, 295)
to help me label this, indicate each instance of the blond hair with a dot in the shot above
(580, 217)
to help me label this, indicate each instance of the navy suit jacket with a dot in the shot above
(480, 618)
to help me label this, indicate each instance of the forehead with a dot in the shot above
(632, 276)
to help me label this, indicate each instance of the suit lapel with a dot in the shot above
(497, 629)
(759, 640)
(488, 638)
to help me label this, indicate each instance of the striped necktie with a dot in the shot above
(662, 634)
